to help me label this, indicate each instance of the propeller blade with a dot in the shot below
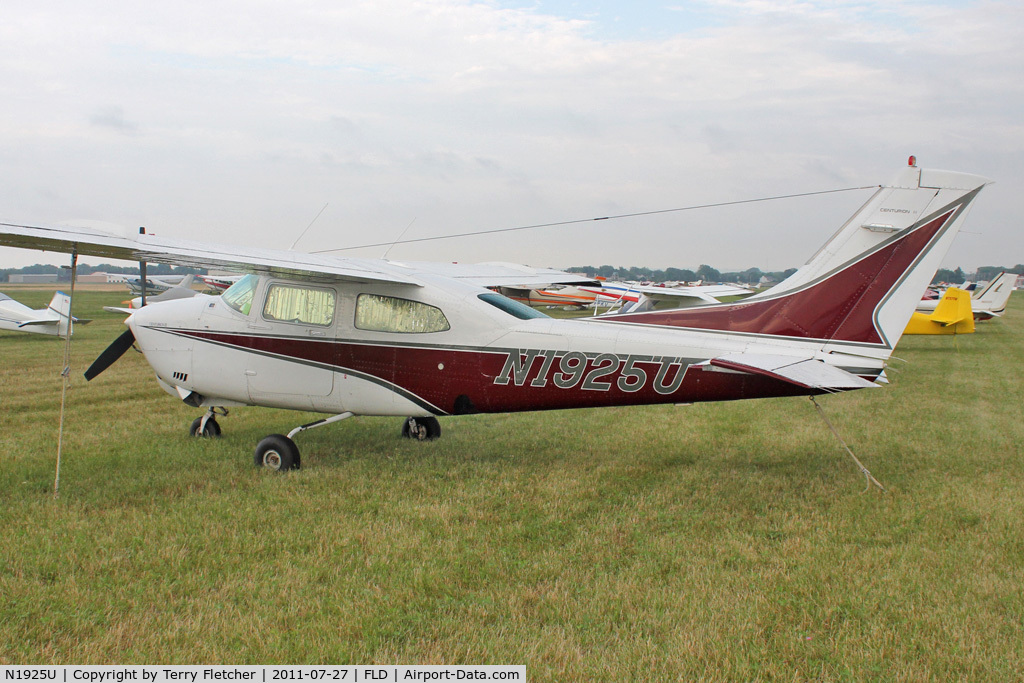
(110, 354)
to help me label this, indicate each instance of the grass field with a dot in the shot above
(718, 542)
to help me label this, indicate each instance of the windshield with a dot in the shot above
(239, 295)
(521, 311)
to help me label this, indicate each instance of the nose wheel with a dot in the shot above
(206, 427)
(421, 428)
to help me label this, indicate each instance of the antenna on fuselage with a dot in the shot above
(303, 233)
(397, 239)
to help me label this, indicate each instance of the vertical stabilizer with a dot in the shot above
(991, 301)
(61, 305)
(952, 315)
(862, 286)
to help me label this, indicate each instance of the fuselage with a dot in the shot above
(442, 348)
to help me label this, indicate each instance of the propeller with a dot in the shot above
(110, 354)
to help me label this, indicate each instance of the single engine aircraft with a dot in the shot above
(349, 337)
(623, 296)
(986, 302)
(629, 296)
(52, 320)
(565, 296)
(220, 282)
(182, 290)
(154, 285)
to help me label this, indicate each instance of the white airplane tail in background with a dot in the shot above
(61, 305)
(991, 301)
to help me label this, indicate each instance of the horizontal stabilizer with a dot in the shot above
(807, 373)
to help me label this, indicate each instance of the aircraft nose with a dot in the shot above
(160, 331)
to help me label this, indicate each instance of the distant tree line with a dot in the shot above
(704, 272)
(984, 273)
(752, 276)
(64, 273)
(635, 273)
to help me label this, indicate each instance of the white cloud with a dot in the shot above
(245, 118)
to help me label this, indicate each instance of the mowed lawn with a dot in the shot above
(723, 541)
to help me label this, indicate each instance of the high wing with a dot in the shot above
(807, 373)
(279, 263)
(153, 249)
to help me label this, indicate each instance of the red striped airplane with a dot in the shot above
(356, 337)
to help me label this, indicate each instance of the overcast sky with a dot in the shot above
(238, 121)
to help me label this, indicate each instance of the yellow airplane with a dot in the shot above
(952, 315)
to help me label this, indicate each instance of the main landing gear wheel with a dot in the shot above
(421, 428)
(209, 430)
(277, 452)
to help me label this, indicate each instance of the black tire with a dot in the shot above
(277, 452)
(211, 430)
(421, 428)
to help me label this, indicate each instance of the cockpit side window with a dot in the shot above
(390, 314)
(239, 295)
(302, 305)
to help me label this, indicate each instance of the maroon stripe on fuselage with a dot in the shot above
(461, 380)
(841, 307)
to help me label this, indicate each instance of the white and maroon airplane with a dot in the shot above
(354, 337)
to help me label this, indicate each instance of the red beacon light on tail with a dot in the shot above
(912, 161)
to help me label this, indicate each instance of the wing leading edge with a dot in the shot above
(279, 263)
(153, 249)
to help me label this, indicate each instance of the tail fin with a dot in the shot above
(954, 308)
(952, 316)
(61, 305)
(991, 301)
(862, 286)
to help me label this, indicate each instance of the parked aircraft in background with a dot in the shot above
(952, 315)
(179, 291)
(986, 302)
(154, 285)
(623, 295)
(649, 297)
(52, 320)
(358, 337)
(566, 296)
(220, 282)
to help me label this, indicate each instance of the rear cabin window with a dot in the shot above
(239, 295)
(389, 314)
(301, 305)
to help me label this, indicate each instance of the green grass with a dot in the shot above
(721, 541)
